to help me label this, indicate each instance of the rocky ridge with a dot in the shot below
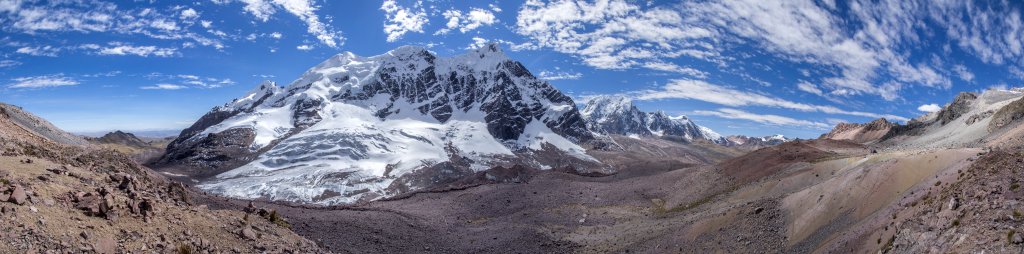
(71, 198)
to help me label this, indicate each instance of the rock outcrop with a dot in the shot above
(960, 105)
(61, 198)
(861, 133)
(1007, 115)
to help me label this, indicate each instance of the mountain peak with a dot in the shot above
(608, 104)
(379, 120)
(616, 114)
(490, 48)
(408, 50)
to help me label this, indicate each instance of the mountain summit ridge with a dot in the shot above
(360, 126)
(616, 114)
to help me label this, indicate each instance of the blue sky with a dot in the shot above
(737, 66)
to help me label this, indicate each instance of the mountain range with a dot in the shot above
(358, 128)
(360, 151)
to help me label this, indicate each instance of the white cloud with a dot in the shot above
(39, 51)
(671, 67)
(963, 72)
(558, 75)
(477, 43)
(143, 51)
(35, 17)
(729, 113)
(164, 87)
(469, 21)
(304, 10)
(262, 9)
(803, 31)
(929, 108)
(275, 35)
(992, 31)
(8, 63)
(610, 34)
(400, 20)
(54, 80)
(189, 13)
(873, 49)
(304, 47)
(704, 91)
(1016, 72)
(187, 80)
(810, 88)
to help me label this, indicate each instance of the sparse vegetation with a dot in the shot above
(277, 219)
(956, 222)
(184, 248)
(1009, 236)
(1014, 186)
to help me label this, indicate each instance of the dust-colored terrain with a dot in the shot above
(57, 196)
(810, 199)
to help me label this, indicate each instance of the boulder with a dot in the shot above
(105, 245)
(93, 204)
(18, 196)
(248, 233)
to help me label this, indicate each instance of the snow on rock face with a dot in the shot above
(755, 142)
(618, 115)
(351, 127)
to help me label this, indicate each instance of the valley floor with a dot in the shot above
(818, 196)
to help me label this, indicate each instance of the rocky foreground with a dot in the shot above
(69, 198)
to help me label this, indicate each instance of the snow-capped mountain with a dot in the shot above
(359, 128)
(755, 142)
(613, 114)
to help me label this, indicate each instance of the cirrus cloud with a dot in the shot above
(717, 94)
(53, 80)
(730, 113)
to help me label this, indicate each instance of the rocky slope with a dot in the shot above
(966, 122)
(860, 133)
(23, 120)
(141, 150)
(977, 211)
(57, 197)
(617, 115)
(362, 128)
